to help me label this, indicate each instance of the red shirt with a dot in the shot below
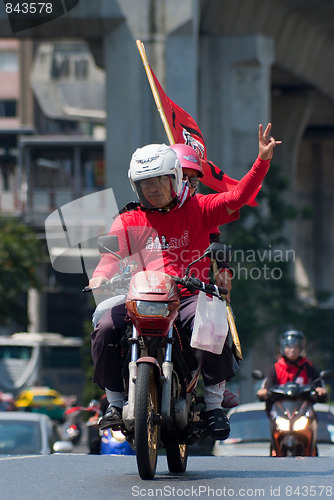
(286, 372)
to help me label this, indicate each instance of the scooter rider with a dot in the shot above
(292, 366)
(180, 235)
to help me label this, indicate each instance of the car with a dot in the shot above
(250, 431)
(42, 400)
(23, 433)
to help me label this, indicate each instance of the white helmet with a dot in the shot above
(155, 160)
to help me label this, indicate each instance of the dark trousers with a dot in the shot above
(107, 356)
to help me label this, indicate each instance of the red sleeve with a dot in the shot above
(215, 206)
(247, 186)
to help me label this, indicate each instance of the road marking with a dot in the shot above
(21, 456)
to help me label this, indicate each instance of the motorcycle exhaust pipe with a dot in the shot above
(167, 370)
(128, 413)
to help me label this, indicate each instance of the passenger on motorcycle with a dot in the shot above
(292, 366)
(192, 172)
(180, 234)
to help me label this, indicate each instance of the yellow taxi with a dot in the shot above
(42, 400)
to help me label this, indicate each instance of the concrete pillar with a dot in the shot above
(129, 109)
(36, 311)
(36, 304)
(26, 102)
(292, 109)
(182, 63)
(235, 87)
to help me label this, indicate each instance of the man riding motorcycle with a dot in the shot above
(292, 366)
(158, 227)
(191, 174)
(290, 390)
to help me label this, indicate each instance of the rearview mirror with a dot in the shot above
(108, 244)
(219, 251)
(257, 374)
(326, 374)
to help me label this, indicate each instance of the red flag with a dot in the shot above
(186, 131)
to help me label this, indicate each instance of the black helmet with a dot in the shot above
(292, 337)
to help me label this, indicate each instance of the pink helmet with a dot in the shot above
(188, 157)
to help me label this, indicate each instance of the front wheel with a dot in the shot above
(147, 430)
(177, 457)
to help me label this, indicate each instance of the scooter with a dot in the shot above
(163, 409)
(293, 420)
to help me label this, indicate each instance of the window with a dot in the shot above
(81, 69)
(15, 352)
(7, 108)
(44, 397)
(60, 66)
(250, 426)
(17, 437)
(8, 61)
(61, 357)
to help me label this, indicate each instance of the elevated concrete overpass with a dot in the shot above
(303, 31)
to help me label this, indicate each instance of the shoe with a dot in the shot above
(218, 424)
(111, 418)
(230, 400)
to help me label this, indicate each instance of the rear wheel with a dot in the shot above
(177, 456)
(147, 431)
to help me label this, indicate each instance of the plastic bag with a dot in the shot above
(210, 325)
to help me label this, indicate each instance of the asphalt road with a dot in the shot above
(83, 477)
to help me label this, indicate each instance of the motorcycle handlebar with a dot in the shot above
(192, 284)
(113, 283)
(280, 392)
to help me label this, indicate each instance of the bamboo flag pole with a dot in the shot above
(230, 317)
(155, 92)
(234, 332)
(171, 139)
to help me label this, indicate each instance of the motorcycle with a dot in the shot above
(293, 421)
(163, 410)
(73, 425)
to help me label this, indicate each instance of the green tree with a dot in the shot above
(20, 254)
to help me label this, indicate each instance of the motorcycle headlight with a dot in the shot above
(156, 309)
(299, 424)
(282, 424)
(152, 308)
